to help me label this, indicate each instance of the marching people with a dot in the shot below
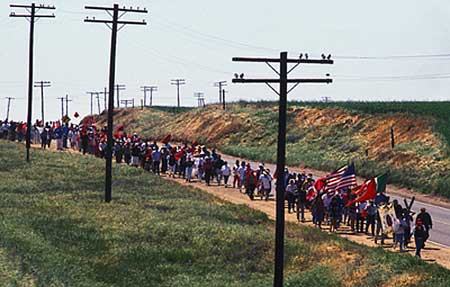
(196, 163)
(226, 172)
(236, 175)
(250, 182)
(425, 219)
(420, 235)
(265, 181)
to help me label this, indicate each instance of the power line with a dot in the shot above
(394, 57)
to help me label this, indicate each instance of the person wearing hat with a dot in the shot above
(425, 218)
(419, 236)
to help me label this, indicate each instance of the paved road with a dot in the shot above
(440, 234)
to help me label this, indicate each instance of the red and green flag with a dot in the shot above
(381, 182)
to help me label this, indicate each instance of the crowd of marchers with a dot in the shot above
(194, 162)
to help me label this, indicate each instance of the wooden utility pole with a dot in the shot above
(283, 82)
(392, 137)
(98, 102)
(223, 99)
(105, 97)
(200, 99)
(178, 83)
(92, 100)
(126, 102)
(67, 105)
(32, 17)
(62, 106)
(113, 25)
(118, 89)
(42, 85)
(150, 89)
(8, 106)
(220, 85)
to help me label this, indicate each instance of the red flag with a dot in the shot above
(316, 188)
(369, 194)
(320, 183)
(360, 189)
(179, 154)
(167, 139)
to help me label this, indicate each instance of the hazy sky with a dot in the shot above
(196, 40)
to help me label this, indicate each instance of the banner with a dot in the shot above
(388, 218)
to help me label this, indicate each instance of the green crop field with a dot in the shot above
(56, 231)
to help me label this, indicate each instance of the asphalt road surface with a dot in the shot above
(440, 234)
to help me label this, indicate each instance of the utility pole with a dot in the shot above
(92, 100)
(113, 25)
(223, 98)
(67, 104)
(283, 82)
(105, 95)
(326, 99)
(118, 89)
(98, 102)
(220, 85)
(126, 102)
(150, 89)
(200, 99)
(62, 106)
(42, 85)
(32, 17)
(8, 106)
(178, 83)
(392, 138)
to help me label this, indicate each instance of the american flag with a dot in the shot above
(343, 177)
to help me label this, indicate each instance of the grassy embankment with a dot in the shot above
(322, 136)
(55, 231)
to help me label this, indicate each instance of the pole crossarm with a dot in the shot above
(124, 9)
(265, 81)
(277, 60)
(14, 15)
(41, 6)
(118, 22)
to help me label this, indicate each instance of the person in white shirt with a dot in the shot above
(265, 180)
(241, 174)
(226, 172)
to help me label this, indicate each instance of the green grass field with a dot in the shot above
(56, 231)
